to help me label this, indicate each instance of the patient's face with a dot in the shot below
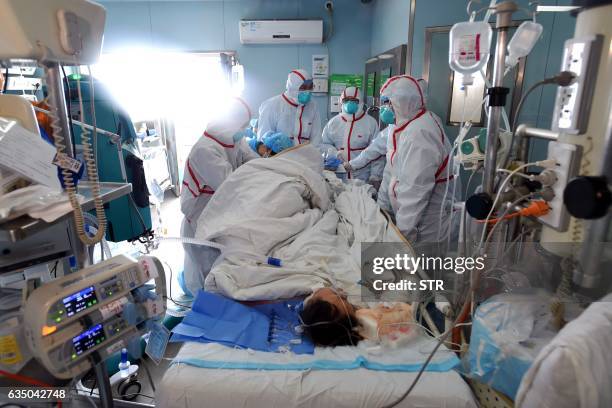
(335, 298)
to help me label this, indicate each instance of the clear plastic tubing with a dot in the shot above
(195, 241)
(202, 242)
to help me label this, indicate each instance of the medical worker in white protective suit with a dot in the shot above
(292, 112)
(418, 160)
(376, 152)
(221, 150)
(351, 132)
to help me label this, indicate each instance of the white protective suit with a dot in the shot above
(350, 134)
(377, 151)
(214, 157)
(418, 156)
(283, 113)
(373, 155)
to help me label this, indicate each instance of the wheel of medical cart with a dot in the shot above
(488, 397)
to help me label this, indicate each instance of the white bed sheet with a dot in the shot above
(187, 386)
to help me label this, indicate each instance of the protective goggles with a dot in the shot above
(384, 100)
(307, 85)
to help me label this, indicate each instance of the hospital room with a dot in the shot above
(306, 203)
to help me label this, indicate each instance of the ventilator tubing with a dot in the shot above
(202, 242)
(195, 241)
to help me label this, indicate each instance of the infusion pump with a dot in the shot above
(83, 318)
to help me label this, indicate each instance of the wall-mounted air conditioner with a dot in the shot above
(281, 31)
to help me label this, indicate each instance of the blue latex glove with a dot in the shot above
(253, 143)
(248, 133)
(277, 142)
(332, 163)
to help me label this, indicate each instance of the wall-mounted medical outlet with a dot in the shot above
(567, 157)
(334, 104)
(320, 85)
(573, 103)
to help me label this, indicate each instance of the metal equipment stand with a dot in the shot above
(497, 93)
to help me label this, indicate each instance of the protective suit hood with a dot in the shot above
(223, 128)
(406, 97)
(235, 118)
(295, 80)
(424, 88)
(352, 92)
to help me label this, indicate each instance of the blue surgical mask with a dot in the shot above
(386, 115)
(304, 97)
(238, 135)
(350, 107)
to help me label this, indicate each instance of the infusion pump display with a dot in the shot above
(78, 302)
(78, 342)
(79, 318)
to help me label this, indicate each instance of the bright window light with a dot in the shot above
(187, 88)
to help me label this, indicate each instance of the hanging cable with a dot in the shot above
(6, 79)
(67, 175)
(69, 107)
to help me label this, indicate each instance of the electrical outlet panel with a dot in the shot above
(573, 103)
(334, 104)
(567, 157)
(320, 85)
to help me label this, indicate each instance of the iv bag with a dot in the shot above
(523, 41)
(469, 48)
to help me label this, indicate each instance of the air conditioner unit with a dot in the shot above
(281, 31)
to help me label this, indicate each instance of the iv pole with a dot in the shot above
(497, 93)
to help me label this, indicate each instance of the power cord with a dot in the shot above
(169, 297)
(69, 107)
(53, 270)
(67, 175)
(6, 79)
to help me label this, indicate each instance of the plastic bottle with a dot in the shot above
(124, 365)
(469, 48)
(523, 41)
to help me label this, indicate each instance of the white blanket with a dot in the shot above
(573, 370)
(283, 207)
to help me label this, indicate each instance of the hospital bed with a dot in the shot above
(185, 385)
(221, 377)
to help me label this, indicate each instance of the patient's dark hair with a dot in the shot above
(327, 326)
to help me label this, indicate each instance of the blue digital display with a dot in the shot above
(80, 301)
(88, 339)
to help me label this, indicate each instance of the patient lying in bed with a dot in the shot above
(331, 320)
